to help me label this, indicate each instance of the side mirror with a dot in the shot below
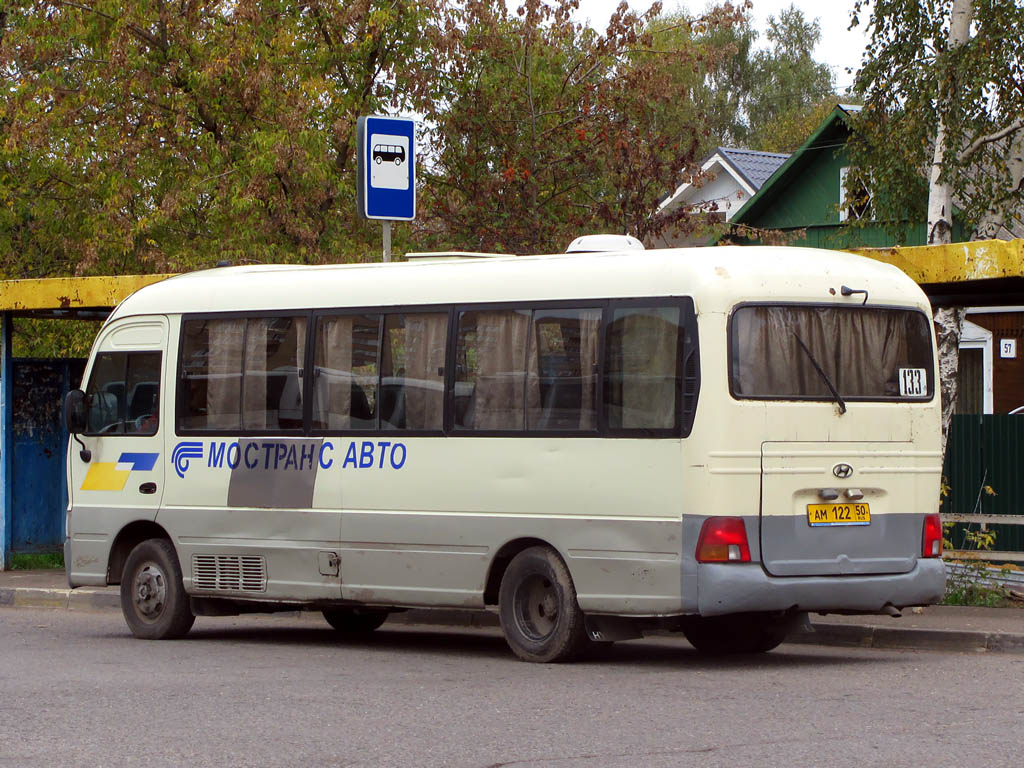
(75, 411)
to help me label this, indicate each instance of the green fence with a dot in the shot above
(986, 451)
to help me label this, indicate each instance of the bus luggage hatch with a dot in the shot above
(843, 508)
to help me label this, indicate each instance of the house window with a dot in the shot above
(855, 201)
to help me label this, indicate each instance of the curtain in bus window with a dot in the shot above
(869, 348)
(273, 361)
(769, 358)
(562, 383)
(412, 371)
(346, 372)
(642, 383)
(491, 378)
(223, 375)
(860, 350)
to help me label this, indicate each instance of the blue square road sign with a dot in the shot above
(387, 168)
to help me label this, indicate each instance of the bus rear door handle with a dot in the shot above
(147, 488)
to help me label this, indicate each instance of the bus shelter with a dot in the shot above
(33, 481)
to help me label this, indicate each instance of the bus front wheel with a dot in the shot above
(153, 598)
(537, 606)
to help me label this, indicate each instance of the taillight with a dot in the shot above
(931, 539)
(723, 540)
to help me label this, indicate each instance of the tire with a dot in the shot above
(153, 599)
(721, 635)
(537, 606)
(355, 621)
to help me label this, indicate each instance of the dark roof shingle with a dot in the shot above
(755, 167)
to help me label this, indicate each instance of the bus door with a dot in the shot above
(119, 474)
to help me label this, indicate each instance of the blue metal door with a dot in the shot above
(39, 489)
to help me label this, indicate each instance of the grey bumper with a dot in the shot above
(734, 588)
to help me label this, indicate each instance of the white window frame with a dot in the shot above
(973, 336)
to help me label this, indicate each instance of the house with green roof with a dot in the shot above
(807, 192)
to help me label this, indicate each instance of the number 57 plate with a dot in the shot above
(838, 514)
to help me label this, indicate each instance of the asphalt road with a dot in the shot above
(76, 690)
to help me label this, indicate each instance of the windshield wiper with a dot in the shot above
(824, 376)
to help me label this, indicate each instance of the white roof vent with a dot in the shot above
(595, 243)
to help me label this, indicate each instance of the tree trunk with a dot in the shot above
(948, 323)
(940, 191)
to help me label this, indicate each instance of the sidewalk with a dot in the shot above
(936, 628)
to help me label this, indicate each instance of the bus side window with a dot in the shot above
(490, 380)
(123, 394)
(211, 374)
(562, 385)
(345, 372)
(272, 385)
(642, 384)
(412, 371)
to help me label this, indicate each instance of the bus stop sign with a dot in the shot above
(387, 168)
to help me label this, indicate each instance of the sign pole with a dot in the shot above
(386, 225)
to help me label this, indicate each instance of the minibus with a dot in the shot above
(714, 441)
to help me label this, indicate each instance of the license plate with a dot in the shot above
(838, 514)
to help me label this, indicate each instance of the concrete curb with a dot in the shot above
(72, 599)
(841, 635)
(868, 636)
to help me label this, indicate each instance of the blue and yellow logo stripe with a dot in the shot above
(113, 475)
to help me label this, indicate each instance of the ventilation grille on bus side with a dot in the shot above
(237, 573)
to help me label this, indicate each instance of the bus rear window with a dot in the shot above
(796, 351)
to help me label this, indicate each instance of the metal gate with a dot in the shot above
(984, 472)
(39, 488)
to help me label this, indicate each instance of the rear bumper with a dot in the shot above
(724, 588)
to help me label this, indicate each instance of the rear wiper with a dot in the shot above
(824, 376)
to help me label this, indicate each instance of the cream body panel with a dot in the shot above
(426, 534)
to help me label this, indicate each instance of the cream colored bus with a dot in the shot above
(714, 441)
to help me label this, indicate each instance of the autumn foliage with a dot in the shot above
(164, 135)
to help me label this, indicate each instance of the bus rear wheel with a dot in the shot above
(153, 599)
(735, 634)
(356, 620)
(540, 616)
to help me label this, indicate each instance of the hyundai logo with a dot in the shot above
(842, 471)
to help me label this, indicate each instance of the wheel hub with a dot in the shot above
(150, 591)
(537, 607)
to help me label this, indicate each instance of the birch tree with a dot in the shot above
(941, 130)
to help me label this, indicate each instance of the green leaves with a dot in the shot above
(143, 135)
(548, 129)
(913, 81)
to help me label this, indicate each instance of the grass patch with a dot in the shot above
(969, 585)
(976, 594)
(36, 562)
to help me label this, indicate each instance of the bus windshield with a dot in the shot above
(806, 352)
